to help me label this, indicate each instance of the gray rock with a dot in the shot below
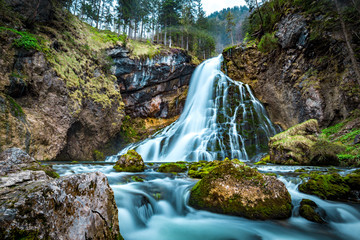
(357, 139)
(152, 87)
(292, 31)
(73, 207)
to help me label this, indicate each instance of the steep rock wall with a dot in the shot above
(153, 87)
(303, 78)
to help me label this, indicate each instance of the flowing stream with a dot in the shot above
(221, 119)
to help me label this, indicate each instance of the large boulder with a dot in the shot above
(130, 162)
(37, 206)
(292, 31)
(300, 145)
(236, 189)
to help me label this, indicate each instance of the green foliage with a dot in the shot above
(98, 156)
(268, 43)
(26, 40)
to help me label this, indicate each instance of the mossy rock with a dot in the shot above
(202, 168)
(237, 189)
(130, 162)
(300, 145)
(310, 211)
(353, 180)
(326, 186)
(177, 167)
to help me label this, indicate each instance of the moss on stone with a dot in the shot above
(326, 186)
(209, 194)
(308, 211)
(130, 162)
(137, 179)
(177, 167)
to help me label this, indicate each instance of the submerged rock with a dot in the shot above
(130, 162)
(177, 167)
(329, 186)
(236, 189)
(310, 211)
(36, 206)
(300, 145)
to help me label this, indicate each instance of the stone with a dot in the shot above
(300, 145)
(236, 189)
(177, 167)
(292, 31)
(152, 87)
(357, 139)
(310, 211)
(130, 162)
(37, 206)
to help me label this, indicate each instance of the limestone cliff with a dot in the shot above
(309, 74)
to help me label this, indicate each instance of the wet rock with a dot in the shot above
(15, 160)
(36, 206)
(130, 162)
(310, 210)
(292, 32)
(153, 87)
(300, 145)
(177, 167)
(236, 189)
(326, 186)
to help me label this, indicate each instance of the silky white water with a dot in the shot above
(157, 209)
(221, 118)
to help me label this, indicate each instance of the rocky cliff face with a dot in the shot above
(36, 206)
(153, 87)
(307, 76)
(58, 97)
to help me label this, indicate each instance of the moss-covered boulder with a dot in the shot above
(310, 211)
(300, 145)
(202, 168)
(177, 167)
(130, 162)
(236, 189)
(326, 186)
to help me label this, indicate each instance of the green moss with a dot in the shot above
(328, 186)
(130, 162)
(241, 174)
(308, 211)
(137, 179)
(26, 40)
(98, 156)
(268, 43)
(177, 167)
(263, 161)
(325, 153)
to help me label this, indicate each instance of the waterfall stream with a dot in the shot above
(221, 118)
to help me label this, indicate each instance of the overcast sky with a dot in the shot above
(211, 6)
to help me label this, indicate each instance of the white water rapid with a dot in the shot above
(221, 118)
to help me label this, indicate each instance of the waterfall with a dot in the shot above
(221, 118)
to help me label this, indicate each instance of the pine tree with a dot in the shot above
(230, 24)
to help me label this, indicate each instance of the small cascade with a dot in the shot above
(221, 118)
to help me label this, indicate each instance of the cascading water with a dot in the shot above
(221, 118)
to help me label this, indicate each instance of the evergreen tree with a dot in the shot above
(229, 25)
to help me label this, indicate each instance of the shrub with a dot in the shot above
(268, 43)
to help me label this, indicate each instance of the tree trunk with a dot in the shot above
(165, 38)
(98, 14)
(187, 42)
(262, 21)
(348, 42)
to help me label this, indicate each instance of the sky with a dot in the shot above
(211, 6)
